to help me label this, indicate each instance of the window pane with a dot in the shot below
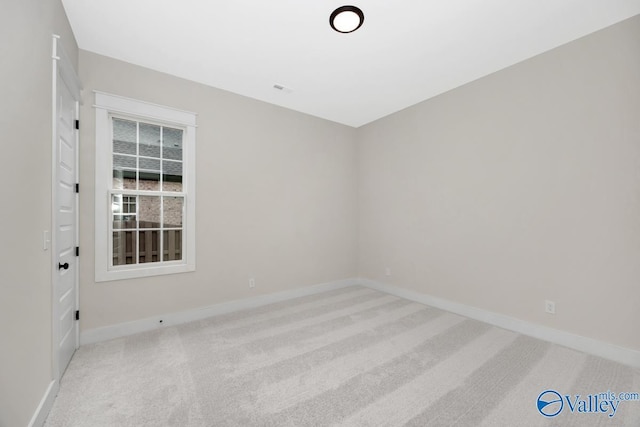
(129, 183)
(149, 250)
(172, 241)
(123, 222)
(124, 172)
(116, 203)
(149, 140)
(149, 181)
(171, 176)
(149, 212)
(149, 164)
(118, 180)
(124, 211)
(124, 247)
(124, 136)
(129, 204)
(149, 175)
(172, 212)
(172, 144)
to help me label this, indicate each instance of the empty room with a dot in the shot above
(320, 213)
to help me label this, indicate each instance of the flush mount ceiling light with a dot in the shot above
(346, 19)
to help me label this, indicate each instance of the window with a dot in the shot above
(147, 200)
(145, 171)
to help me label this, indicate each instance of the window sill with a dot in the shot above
(139, 272)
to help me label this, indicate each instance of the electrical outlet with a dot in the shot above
(252, 282)
(550, 307)
(387, 271)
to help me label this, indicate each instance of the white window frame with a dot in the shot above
(106, 106)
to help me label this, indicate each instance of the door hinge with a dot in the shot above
(77, 250)
(77, 314)
(77, 124)
(77, 188)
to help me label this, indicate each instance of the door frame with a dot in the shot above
(62, 69)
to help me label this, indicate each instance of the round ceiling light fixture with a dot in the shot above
(346, 19)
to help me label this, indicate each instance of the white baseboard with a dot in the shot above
(587, 345)
(148, 324)
(43, 409)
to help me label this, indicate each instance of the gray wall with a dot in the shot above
(276, 198)
(519, 187)
(25, 126)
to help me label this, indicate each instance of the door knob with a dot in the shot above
(64, 266)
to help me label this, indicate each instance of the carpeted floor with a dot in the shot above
(350, 357)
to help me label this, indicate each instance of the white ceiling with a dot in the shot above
(406, 51)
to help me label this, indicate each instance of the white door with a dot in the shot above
(65, 219)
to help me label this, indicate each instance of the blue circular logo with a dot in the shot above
(550, 403)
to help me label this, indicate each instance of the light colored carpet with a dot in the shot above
(350, 357)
